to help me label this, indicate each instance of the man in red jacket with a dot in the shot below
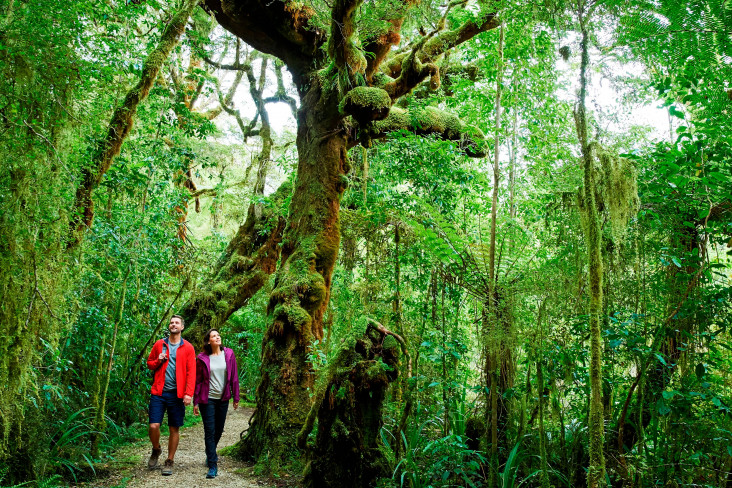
(174, 362)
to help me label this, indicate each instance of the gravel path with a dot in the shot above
(190, 459)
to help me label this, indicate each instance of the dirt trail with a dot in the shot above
(190, 459)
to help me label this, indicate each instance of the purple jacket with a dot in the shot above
(203, 378)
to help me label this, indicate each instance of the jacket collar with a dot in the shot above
(205, 358)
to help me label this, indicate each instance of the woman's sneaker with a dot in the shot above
(212, 472)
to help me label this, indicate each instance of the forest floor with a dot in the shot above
(130, 470)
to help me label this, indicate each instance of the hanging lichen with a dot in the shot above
(616, 190)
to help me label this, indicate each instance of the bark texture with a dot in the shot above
(349, 416)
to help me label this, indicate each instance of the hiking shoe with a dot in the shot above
(153, 461)
(167, 468)
(212, 472)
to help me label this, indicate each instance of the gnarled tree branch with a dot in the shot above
(275, 27)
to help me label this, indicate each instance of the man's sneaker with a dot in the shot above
(167, 468)
(153, 461)
(212, 472)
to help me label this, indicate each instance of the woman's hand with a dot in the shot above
(195, 410)
(236, 405)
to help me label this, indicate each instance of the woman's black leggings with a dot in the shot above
(213, 414)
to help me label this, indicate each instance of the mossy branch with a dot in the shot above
(402, 343)
(281, 94)
(407, 70)
(430, 120)
(343, 46)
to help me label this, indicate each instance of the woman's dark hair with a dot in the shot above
(206, 345)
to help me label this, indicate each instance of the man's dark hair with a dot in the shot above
(182, 320)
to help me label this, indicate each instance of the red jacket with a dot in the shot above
(185, 368)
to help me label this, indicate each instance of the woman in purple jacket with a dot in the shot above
(217, 381)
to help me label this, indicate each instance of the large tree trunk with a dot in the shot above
(241, 271)
(302, 285)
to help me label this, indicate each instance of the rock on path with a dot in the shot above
(190, 459)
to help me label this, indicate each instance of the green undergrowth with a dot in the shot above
(121, 454)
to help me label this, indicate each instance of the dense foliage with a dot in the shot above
(477, 266)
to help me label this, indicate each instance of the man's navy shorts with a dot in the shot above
(169, 402)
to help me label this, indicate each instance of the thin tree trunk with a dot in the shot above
(121, 124)
(496, 170)
(99, 423)
(398, 386)
(544, 476)
(412, 382)
(596, 470)
(493, 343)
(445, 379)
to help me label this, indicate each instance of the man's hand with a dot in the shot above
(187, 400)
(195, 410)
(162, 356)
(236, 405)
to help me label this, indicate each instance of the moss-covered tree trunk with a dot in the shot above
(302, 284)
(592, 230)
(329, 67)
(241, 271)
(349, 413)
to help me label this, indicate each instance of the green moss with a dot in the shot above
(240, 263)
(381, 79)
(219, 289)
(366, 104)
(293, 314)
(355, 58)
(390, 343)
(376, 373)
(398, 119)
(442, 42)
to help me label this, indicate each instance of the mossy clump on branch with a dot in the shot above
(366, 104)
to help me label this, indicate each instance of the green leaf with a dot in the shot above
(700, 371)
(660, 358)
(676, 112)
(663, 409)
